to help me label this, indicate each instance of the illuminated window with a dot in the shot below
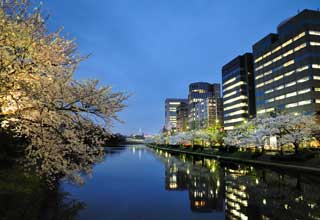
(280, 87)
(316, 66)
(243, 104)
(315, 43)
(277, 58)
(316, 77)
(314, 33)
(291, 105)
(235, 99)
(230, 80)
(288, 63)
(288, 53)
(236, 113)
(302, 68)
(267, 63)
(299, 36)
(260, 85)
(317, 89)
(234, 120)
(276, 49)
(235, 85)
(280, 97)
(268, 91)
(278, 77)
(317, 100)
(229, 128)
(290, 84)
(291, 94)
(259, 76)
(269, 81)
(306, 102)
(300, 47)
(286, 43)
(270, 100)
(268, 72)
(230, 94)
(289, 73)
(304, 79)
(304, 91)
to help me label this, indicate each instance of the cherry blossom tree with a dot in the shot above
(64, 120)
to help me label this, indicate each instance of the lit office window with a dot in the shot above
(230, 80)
(301, 46)
(268, 91)
(241, 97)
(290, 84)
(291, 105)
(243, 104)
(316, 77)
(236, 113)
(289, 73)
(315, 43)
(235, 85)
(288, 63)
(291, 94)
(288, 53)
(278, 77)
(280, 97)
(314, 33)
(280, 87)
(286, 43)
(304, 91)
(306, 102)
(276, 49)
(270, 100)
(304, 79)
(317, 89)
(299, 36)
(302, 68)
(316, 66)
(234, 120)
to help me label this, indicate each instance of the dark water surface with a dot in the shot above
(136, 182)
(141, 183)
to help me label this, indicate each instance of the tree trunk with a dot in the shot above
(296, 148)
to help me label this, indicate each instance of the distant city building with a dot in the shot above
(171, 105)
(238, 91)
(287, 66)
(198, 92)
(182, 117)
(209, 112)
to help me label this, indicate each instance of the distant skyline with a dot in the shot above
(155, 49)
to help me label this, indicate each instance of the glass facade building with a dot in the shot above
(238, 91)
(287, 66)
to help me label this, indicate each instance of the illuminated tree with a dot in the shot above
(64, 120)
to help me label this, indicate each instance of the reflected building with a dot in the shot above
(241, 191)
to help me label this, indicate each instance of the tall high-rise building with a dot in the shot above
(171, 105)
(238, 91)
(287, 66)
(182, 117)
(198, 92)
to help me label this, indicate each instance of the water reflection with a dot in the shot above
(241, 191)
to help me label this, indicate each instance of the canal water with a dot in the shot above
(139, 183)
(136, 182)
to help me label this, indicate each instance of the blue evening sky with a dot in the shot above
(155, 48)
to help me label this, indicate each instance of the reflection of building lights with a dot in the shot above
(199, 203)
(173, 185)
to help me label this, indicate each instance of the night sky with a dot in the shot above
(155, 48)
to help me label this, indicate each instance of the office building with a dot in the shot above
(171, 105)
(182, 117)
(287, 66)
(209, 112)
(198, 92)
(238, 91)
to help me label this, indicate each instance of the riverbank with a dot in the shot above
(308, 162)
